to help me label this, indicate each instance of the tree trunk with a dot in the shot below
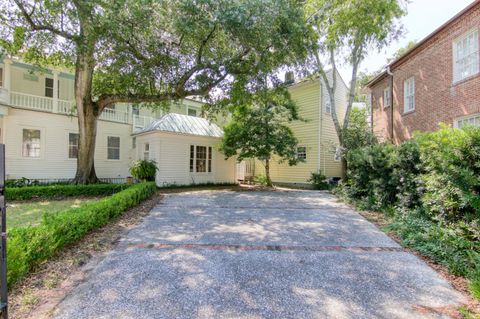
(344, 169)
(267, 172)
(87, 119)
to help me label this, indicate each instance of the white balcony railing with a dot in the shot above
(114, 115)
(140, 122)
(33, 102)
(47, 104)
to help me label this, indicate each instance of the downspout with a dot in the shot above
(389, 72)
(320, 127)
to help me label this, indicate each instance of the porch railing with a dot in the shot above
(30, 101)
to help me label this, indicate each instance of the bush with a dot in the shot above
(319, 181)
(144, 170)
(60, 191)
(262, 180)
(28, 247)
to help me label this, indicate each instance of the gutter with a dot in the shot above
(389, 72)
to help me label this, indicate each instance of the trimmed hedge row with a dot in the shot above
(59, 191)
(28, 247)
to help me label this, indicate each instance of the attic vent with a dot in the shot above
(289, 77)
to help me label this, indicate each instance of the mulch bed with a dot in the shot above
(458, 282)
(37, 295)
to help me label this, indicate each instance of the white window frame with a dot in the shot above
(327, 104)
(192, 109)
(146, 151)
(119, 148)
(304, 156)
(459, 63)
(337, 154)
(193, 159)
(69, 145)
(467, 120)
(387, 97)
(409, 95)
(40, 146)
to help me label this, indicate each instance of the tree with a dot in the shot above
(258, 128)
(345, 31)
(400, 52)
(358, 133)
(149, 51)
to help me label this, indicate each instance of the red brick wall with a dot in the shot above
(437, 98)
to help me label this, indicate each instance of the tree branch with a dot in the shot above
(41, 27)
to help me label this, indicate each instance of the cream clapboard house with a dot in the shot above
(40, 130)
(39, 127)
(318, 141)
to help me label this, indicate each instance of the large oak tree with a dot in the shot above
(150, 51)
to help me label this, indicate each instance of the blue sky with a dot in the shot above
(424, 16)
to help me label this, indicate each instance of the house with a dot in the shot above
(437, 81)
(318, 141)
(40, 130)
(186, 150)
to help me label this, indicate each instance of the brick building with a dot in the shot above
(437, 81)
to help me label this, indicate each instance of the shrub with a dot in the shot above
(451, 158)
(319, 181)
(144, 170)
(22, 182)
(28, 247)
(60, 191)
(262, 180)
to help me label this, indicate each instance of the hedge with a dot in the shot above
(28, 247)
(60, 191)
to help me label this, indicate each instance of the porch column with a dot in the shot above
(8, 78)
(56, 91)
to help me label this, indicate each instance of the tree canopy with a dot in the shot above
(151, 51)
(258, 128)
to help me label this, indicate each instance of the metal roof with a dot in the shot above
(184, 124)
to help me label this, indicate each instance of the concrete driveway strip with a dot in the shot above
(221, 254)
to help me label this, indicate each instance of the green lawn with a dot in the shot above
(28, 213)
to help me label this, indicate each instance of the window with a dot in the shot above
(302, 153)
(470, 121)
(113, 147)
(409, 95)
(31, 143)
(1, 77)
(48, 87)
(134, 142)
(337, 157)
(73, 139)
(200, 159)
(465, 56)
(209, 159)
(146, 152)
(192, 157)
(192, 112)
(135, 110)
(387, 97)
(328, 105)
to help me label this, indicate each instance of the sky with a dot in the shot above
(424, 17)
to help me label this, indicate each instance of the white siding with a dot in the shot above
(172, 154)
(53, 161)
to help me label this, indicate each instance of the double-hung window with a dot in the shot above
(302, 153)
(73, 139)
(200, 159)
(31, 143)
(192, 112)
(146, 152)
(466, 56)
(387, 101)
(409, 95)
(473, 120)
(113, 147)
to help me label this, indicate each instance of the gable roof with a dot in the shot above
(405, 56)
(184, 124)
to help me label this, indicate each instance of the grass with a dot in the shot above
(28, 213)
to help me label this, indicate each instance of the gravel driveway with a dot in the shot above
(225, 254)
